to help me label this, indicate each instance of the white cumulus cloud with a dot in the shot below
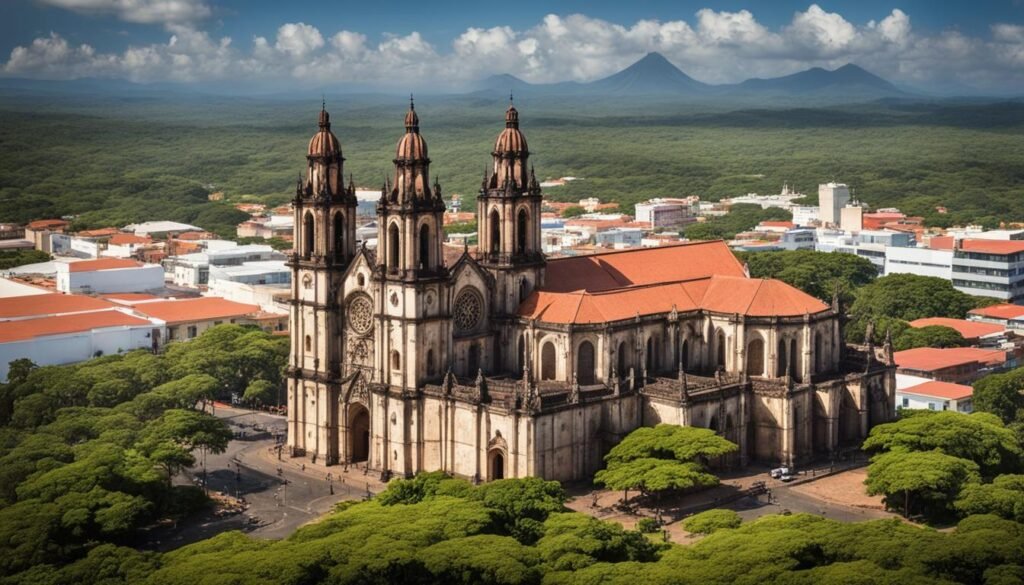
(141, 11)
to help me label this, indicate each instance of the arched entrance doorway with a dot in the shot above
(358, 433)
(497, 466)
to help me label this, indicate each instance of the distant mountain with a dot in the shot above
(651, 74)
(848, 78)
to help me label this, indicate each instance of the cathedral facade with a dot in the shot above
(503, 363)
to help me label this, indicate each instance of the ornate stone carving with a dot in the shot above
(360, 314)
(468, 310)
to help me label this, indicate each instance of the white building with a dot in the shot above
(162, 228)
(659, 213)
(253, 283)
(619, 237)
(934, 395)
(68, 339)
(990, 268)
(1008, 315)
(920, 261)
(108, 275)
(193, 270)
(805, 215)
(832, 198)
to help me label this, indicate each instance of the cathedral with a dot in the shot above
(499, 362)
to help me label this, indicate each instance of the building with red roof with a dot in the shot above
(398, 354)
(935, 395)
(972, 331)
(85, 328)
(187, 318)
(958, 365)
(38, 232)
(108, 275)
(1007, 315)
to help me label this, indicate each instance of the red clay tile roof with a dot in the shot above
(620, 285)
(53, 304)
(201, 309)
(108, 231)
(993, 246)
(102, 264)
(126, 239)
(1004, 311)
(929, 359)
(998, 247)
(938, 389)
(723, 294)
(41, 326)
(968, 329)
(612, 270)
(47, 223)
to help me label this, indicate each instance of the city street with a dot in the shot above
(281, 495)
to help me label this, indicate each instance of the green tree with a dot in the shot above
(573, 211)
(259, 392)
(981, 438)
(1003, 497)
(907, 297)
(1001, 395)
(711, 521)
(818, 274)
(661, 458)
(930, 336)
(928, 479)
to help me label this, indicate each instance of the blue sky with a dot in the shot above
(970, 43)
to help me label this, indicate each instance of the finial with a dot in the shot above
(323, 102)
(510, 100)
(412, 104)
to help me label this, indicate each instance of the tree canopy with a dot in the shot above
(1001, 395)
(819, 274)
(907, 297)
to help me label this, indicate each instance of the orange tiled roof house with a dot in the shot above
(507, 364)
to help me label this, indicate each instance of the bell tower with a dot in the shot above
(508, 216)
(324, 238)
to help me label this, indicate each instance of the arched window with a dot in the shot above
(713, 423)
(585, 363)
(755, 358)
(652, 355)
(819, 354)
(308, 236)
(396, 359)
(547, 362)
(431, 368)
(424, 260)
(309, 343)
(495, 232)
(720, 349)
(497, 466)
(522, 225)
(623, 364)
(393, 247)
(521, 361)
(684, 356)
(473, 360)
(781, 364)
(339, 235)
(794, 361)
(524, 289)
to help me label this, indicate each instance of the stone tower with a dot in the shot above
(324, 237)
(508, 215)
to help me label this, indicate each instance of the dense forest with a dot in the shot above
(114, 160)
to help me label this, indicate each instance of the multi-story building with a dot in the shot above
(665, 213)
(193, 270)
(832, 198)
(506, 363)
(108, 275)
(990, 268)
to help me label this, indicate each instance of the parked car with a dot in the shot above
(778, 472)
(787, 477)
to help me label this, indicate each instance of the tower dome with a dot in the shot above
(324, 143)
(411, 146)
(510, 154)
(511, 139)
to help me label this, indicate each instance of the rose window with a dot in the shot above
(469, 309)
(360, 314)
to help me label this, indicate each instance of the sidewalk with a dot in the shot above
(354, 478)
